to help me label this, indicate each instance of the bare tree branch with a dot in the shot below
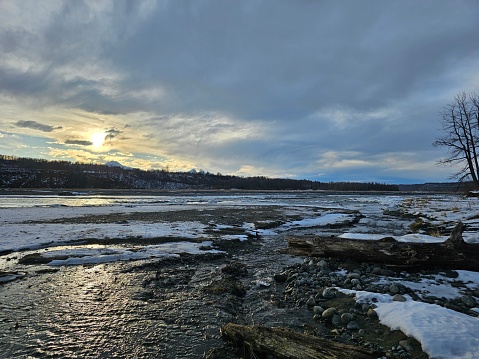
(460, 123)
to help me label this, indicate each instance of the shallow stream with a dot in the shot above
(141, 309)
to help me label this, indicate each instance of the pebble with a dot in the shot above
(353, 275)
(328, 313)
(329, 293)
(322, 264)
(451, 274)
(385, 272)
(355, 281)
(318, 309)
(406, 345)
(399, 298)
(468, 301)
(394, 289)
(312, 283)
(352, 325)
(336, 320)
(346, 318)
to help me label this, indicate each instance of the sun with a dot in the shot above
(97, 139)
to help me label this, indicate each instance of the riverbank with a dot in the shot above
(154, 278)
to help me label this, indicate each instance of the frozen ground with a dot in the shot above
(64, 232)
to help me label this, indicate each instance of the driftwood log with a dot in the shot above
(259, 341)
(454, 253)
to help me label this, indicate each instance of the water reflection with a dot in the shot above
(101, 312)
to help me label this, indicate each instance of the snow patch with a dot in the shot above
(442, 332)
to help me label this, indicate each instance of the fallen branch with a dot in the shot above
(283, 343)
(454, 253)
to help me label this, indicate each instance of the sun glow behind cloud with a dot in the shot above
(98, 139)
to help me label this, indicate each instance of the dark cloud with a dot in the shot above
(112, 133)
(34, 125)
(310, 77)
(78, 142)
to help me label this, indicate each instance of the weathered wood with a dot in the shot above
(454, 253)
(258, 341)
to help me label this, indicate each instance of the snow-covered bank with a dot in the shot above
(443, 333)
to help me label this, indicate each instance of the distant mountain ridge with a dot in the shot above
(17, 172)
(116, 164)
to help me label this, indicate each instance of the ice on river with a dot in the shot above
(77, 256)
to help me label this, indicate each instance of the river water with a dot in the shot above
(140, 309)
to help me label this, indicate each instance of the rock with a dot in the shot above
(226, 285)
(346, 318)
(384, 272)
(336, 320)
(329, 293)
(372, 313)
(355, 281)
(406, 345)
(328, 313)
(352, 325)
(399, 298)
(280, 278)
(393, 288)
(322, 264)
(450, 305)
(468, 301)
(353, 276)
(451, 274)
(311, 302)
(318, 309)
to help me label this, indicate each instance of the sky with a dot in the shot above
(322, 90)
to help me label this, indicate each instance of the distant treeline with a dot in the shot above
(18, 172)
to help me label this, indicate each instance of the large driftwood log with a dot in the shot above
(282, 343)
(454, 253)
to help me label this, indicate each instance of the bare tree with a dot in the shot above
(460, 122)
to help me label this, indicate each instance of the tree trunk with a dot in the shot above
(282, 343)
(454, 253)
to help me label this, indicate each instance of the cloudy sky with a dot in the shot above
(324, 90)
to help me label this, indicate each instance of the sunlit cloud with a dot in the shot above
(332, 159)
